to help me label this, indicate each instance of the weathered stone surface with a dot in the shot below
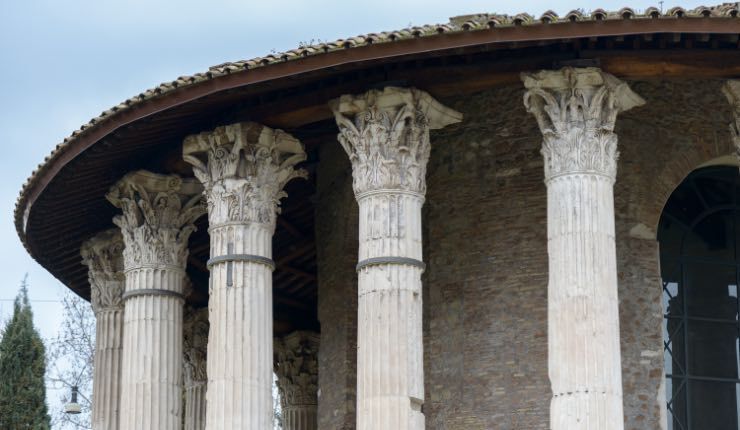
(243, 168)
(576, 110)
(386, 135)
(195, 360)
(103, 255)
(158, 216)
(297, 370)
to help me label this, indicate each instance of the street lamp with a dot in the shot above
(73, 407)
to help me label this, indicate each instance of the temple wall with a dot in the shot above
(683, 124)
(337, 243)
(485, 287)
(486, 296)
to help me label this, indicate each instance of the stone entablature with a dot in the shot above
(386, 136)
(103, 255)
(576, 110)
(244, 167)
(158, 216)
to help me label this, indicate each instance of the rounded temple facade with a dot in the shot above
(500, 222)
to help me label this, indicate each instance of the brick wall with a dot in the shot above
(336, 242)
(485, 288)
(683, 125)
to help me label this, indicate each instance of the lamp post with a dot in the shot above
(73, 407)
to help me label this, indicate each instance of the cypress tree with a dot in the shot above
(22, 367)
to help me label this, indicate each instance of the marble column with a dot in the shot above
(195, 348)
(731, 89)
(103, 255)
(158, 215)
(243, 168)
(386, 135)
(576, 110)
(297, 369)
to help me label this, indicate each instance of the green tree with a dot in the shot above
(22, 367)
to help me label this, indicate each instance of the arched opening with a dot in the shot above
(699, 236)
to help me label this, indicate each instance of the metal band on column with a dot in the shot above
(248, 258)
(152, 292)
(403, 261)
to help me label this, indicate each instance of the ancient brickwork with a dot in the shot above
(683, 125)
(485, 299)
(485, 286)
(337, 244)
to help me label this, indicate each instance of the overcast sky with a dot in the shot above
(64, 62)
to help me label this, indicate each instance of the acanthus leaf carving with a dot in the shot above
(195, 345)
(244, 168)
(103, 256)
(386, 136)
(297, 368)
(158, 217)
(576, 110)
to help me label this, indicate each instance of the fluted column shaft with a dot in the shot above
(386, 136)
(583, 309)
(107, 372)
(243, 168)
(158, 216)
(240, 340)
(196, 377)
(390, 369)
(103, 254)
(300, 417)
(152, 345)
(195, 405)
(576, 110)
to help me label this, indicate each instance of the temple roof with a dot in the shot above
(153, 119)
(464, 23)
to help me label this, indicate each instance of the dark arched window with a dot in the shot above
(699, 235)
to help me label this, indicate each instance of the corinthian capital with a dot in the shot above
(297, 368)
(386, 135)
(576, 110)
(244, 167)
(103, 256)
(158, 216)
(195, 345)
(731, 89)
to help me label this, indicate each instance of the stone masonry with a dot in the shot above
(485, 286)
(337, 225)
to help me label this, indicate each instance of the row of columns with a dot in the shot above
(137, 272)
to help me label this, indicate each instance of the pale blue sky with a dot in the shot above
(63, 62)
